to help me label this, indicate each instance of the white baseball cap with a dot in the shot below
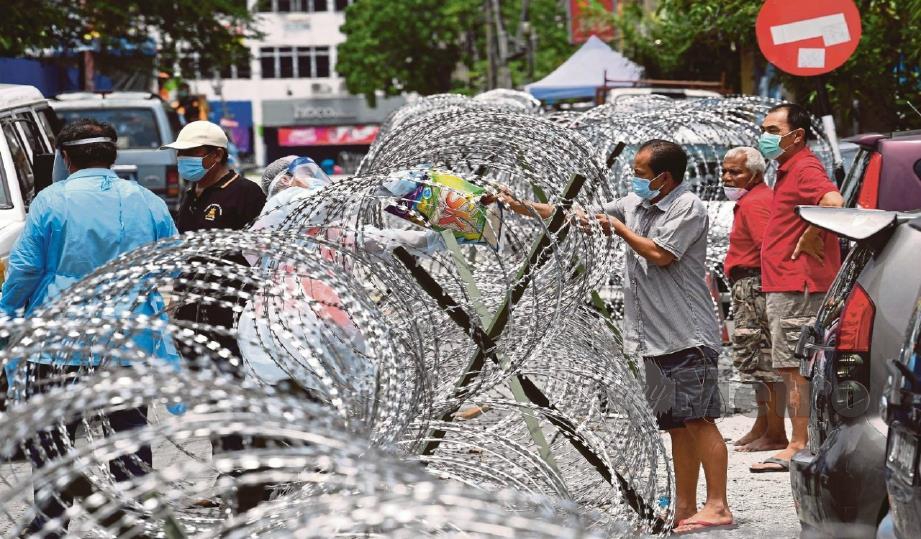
(196, 134)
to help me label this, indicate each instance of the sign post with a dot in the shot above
(808, 39)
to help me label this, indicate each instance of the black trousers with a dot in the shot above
(51, 444)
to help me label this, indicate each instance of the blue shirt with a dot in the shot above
(75, 226)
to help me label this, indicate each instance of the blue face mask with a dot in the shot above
(769, 145)
(191, 168)
(641, 187)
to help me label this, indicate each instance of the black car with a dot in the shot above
(901, 407)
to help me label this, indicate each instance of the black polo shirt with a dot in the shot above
(232, 202)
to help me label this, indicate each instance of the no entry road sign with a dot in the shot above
(808, 37)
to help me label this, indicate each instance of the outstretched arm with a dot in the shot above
(522, 207)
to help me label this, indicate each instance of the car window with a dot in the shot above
(47, 123)
(28, 133)
(21, 163)
(173, 118)
(851, 186)
(844, 282)
(136, 127)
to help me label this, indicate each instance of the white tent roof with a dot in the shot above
(584, 71)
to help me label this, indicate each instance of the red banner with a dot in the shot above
(328, 136)
(582, 23)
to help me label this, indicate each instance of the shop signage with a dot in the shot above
(328, 135)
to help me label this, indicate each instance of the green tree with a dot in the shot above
(708, 39)
(433, 46)
(213, 29)
(401, 45)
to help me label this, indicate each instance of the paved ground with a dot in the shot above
(761, 503)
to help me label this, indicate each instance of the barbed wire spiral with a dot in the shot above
(345, 371)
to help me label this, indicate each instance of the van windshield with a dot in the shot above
(136, 127)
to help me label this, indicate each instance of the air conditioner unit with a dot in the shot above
(321, 88)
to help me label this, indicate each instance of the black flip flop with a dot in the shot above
(784, 466)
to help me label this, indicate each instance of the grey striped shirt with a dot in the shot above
(667, 309)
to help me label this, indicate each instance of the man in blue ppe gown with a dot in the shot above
(73, 227)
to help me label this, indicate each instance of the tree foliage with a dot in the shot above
(401, 45)
(432, 46)
(706, 39)
(213, 29)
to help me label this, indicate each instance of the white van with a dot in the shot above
(26, 158)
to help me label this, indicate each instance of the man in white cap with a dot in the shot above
(218, 196)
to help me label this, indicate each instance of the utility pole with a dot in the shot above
(89, 61)
(502, 48)
(530, 41)
(526, 40)
(503, 73)
(490, 48)
(89, 71)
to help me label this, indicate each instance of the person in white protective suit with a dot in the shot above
(320, 346)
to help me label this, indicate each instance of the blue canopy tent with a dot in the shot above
(584, 72)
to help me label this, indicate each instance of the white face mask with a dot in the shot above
(734, 193)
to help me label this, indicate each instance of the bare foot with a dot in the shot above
(764, 444)
(750, 437)
(707, 517)
(684, 513)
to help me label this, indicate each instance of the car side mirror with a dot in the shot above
(42, 170)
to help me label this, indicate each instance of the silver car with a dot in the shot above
(143, 123)
(838, 481)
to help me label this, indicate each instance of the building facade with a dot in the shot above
(289, 89)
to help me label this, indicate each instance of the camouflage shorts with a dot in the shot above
(751, 334)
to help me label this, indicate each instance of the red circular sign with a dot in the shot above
(808, 37)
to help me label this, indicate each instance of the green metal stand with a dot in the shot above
(523, 389)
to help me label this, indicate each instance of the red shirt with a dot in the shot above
(751, 214)
(800, 181)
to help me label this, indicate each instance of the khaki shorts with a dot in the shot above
(751, 334)
(787, 313)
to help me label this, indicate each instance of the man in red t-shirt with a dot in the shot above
(798, 261)
(743, 182)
